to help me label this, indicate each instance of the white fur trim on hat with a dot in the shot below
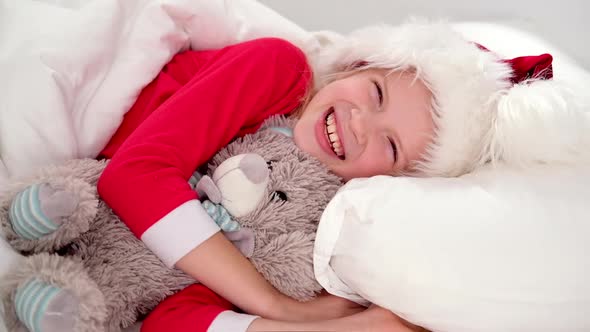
(465, 81)
(480, 116)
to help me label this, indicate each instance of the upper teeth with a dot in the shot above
(333, 135)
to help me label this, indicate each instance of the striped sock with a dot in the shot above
(31, 302)
(28, 220)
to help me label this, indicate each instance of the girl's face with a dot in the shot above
(370, 123)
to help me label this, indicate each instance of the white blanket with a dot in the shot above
(71, 69)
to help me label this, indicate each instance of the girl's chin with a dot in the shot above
(335, 166)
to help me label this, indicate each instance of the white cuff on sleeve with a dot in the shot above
(179, 232)
(231, 321)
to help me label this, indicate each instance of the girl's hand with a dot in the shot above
(378, 319)
(328, 306)
(323, 307)
(373, 319)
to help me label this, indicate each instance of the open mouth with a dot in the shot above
(332, 135)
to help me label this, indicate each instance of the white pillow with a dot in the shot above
(496, 250)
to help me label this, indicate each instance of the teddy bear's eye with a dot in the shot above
(269, 164)
(279, 195)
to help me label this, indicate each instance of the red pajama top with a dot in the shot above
(198, 103)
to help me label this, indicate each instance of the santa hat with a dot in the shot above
(485, 108)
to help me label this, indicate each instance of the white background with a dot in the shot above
(564, 23)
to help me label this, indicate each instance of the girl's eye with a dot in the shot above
(379, 92)
(394, 149)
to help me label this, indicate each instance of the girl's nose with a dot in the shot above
(359, 125)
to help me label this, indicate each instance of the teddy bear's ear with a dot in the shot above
(206, 187)
(243, 239)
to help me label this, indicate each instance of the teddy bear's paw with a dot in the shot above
(48, 292)
(47, 216)
(40, 209)
(42, 307)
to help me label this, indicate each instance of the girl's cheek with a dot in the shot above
(367, 167)
(377, 162)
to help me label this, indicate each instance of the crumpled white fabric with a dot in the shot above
(71, 69)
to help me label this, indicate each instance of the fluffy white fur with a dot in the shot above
(480, 117)
(541, 122)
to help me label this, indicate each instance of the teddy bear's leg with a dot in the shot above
(50, 293)
(48, 215)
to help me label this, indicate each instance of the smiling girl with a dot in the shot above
(371, 122)
(392, 101)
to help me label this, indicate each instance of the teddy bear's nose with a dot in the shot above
(254, 168)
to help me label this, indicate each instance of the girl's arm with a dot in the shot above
(145, 183)
(374, 319)
(241, 283)
(198, 309)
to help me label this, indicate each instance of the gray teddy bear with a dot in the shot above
(84, 270)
